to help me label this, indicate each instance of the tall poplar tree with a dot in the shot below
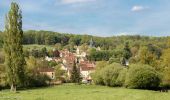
(14, 58)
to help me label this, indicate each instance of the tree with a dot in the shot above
(147, 57)
(1, 39)
(141, 76)
(3, 78)
(44, 52)
(126, 54)
(35, 53)
(95, 55)
(33, 77)
(166, 66)
(59, 73)
(100, 65)
(126, 51)
(2, 57)
(110, 74)
(49, 39)
(75, 74)
(14, 57)
(56, 53)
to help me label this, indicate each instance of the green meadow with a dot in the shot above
(83, 92)
(38, 47)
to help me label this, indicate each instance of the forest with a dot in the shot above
(106, 43)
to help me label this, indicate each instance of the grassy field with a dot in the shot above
(36, 46)
(83, 92)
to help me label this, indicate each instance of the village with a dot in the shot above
(66, 60)
(84, 50)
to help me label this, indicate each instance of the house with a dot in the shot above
(50, 72)
(86, 68)
(57, 59)
(64, 53)
(68, 60)
(80, 54)
(48, 58)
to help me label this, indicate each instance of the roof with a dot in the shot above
(46, 69)
(87, 66)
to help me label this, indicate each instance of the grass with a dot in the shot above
(83, 92)
(36, 46)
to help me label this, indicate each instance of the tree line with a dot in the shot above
(106, 43)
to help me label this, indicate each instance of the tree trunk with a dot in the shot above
(13, 88)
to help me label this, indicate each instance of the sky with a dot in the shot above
(94, 17)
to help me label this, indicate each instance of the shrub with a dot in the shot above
(37, 80)
(97, 78)
(122, 77)
(166, 77)
(142, 77)
(110, 74)
(97, 75)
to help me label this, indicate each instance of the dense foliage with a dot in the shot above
(106, 43)
(142, 77)
(96, 55)
(108, 75)
(33, 77)
(166, 67)
(136, 76)
(1, 39)
(3, 77)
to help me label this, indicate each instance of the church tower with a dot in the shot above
(91, 43)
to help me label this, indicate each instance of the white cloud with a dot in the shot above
(138, 8)
(126, 33)
(75, 1)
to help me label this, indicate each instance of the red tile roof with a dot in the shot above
(87, 66)
(46, 69)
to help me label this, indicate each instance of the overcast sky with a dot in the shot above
(95, 17)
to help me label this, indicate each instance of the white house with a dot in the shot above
(86, 68)
(48, 58)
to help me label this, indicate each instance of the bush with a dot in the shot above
(97, 75)
(97, 78)
(122, 77)
(107, 75)
(142, 77)
(166, 77)
(111, 73)
(37, 80)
